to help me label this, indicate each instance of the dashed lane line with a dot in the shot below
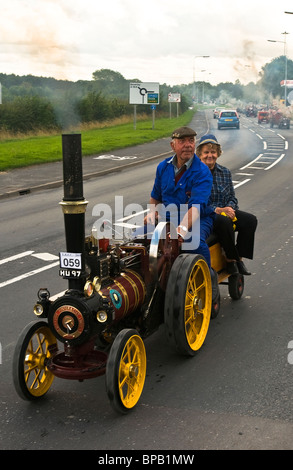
(14, 257)
(28, 274)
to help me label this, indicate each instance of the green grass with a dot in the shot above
(26, 151)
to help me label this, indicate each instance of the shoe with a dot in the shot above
(215, 285)
(242, 268)
(231, 268)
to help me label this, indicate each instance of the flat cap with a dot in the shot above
(183, 132)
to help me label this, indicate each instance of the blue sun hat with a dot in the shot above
(209, 139)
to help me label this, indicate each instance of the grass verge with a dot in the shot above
(31, 150)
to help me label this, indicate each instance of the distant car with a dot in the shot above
(217, 112)
(263, 116)
(228, 118)
(250, 111)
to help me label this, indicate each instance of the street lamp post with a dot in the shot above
(196, 57)
(286, 62)
(203, 82)
(286, 65)
(288, 13)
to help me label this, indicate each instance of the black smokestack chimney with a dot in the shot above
(72, 167)
(73, 206)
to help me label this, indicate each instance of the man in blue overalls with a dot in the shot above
(183, 180)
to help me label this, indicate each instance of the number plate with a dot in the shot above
(70, 260)
(70, 265)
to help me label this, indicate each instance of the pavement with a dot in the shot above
(21, 181)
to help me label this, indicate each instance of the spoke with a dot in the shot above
(189, 308)
(122, 381)
(191, 325)
(126, 356)
(30, 369)
(40, 342)
(129, 385)
(135, 352)
(36, 379)
(188, 321)
(190, 295)
(202, 286)
(30, 347)
(192, 284)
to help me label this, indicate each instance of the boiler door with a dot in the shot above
(70, 320)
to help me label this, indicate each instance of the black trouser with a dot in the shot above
(245, 227)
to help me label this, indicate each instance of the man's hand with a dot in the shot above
(151, 218)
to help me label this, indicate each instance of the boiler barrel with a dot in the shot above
(126, 293)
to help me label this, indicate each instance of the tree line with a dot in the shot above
(31, 103)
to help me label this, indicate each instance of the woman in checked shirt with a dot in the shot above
(229, 218)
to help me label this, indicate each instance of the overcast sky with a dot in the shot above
(152, 40)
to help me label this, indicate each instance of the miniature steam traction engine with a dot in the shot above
(118, 294)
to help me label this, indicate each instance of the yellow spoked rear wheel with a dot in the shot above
(188, 303)
(197, 308)
(126, 370)
(31, 377)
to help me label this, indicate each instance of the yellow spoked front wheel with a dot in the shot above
(31, 377)
(126, 370)
(188, 303)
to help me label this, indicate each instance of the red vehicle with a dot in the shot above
(277, 118)
(263, 116)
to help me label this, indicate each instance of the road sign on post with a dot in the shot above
(174, 98)
(144, 93)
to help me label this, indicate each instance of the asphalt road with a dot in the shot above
(236, 393)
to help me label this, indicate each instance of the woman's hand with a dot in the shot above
(227, 210)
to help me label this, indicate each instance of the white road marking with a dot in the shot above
(45, 256)
(30, 273)
(13, 258)
(123, 219)
(277, 161)
(241, 183)
(250, 163)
